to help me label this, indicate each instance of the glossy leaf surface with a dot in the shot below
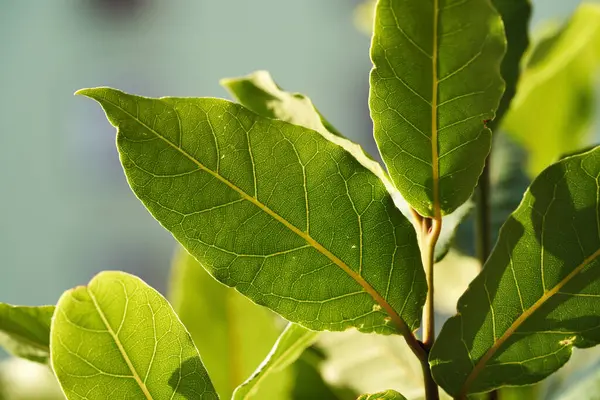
(290, 345)
(241, 333)
(119, 338)
(558, 79)
(25, 331)
(537, 295)
(435, 82)
(271, 208)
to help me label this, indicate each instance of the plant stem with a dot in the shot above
(431, 388)
(428, 232)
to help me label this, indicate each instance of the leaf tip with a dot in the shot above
(83, 92)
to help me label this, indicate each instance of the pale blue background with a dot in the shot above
(65, 209)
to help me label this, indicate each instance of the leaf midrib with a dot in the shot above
(434, 116)
(399, 322)
(481, 364)
(136, 376)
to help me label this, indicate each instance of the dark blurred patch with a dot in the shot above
(117, 8)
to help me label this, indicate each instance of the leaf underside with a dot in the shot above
(537, 295)
(435, 82)
(119, 338)
(25, 331)
(259, 92)
(271, 208)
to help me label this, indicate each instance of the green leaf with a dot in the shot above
(559, 79)
(515, 16)
(25, 331)
(537, 295)
(119, 338)
(387, 395)
(435, 82)
(290, 345)
(259, 92)
(271, 208)
(240, 335)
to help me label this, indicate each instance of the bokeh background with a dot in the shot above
(66, 211)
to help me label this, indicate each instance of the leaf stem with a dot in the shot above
(428, 230)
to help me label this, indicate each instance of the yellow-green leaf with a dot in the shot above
(119, 338)
(387, 395)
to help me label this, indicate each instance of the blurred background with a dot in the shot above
(66, 210)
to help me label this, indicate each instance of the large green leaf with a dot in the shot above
(271, 208)
(387, 395)
(240, 335)
(25, 331)
(259, 92)
(290, 345)
(119, 338)
(435, 82)
(537, 295)
(515, 16)
(559, 79)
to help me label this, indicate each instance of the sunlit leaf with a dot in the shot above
(25, 331)
(435, 82)
(240, 335)
(552, 111)
(271, 208)
(537, 296)
(259, 92)
(290, 345)
(119, 338)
